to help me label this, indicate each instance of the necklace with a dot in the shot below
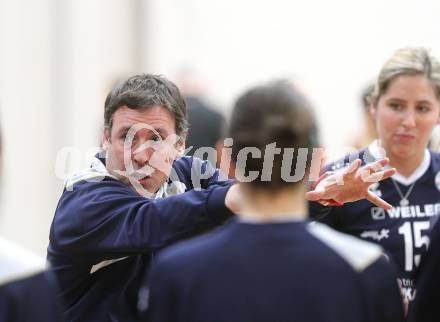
(403, 198)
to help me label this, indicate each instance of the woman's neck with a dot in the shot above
(406, 167)
(268, 206)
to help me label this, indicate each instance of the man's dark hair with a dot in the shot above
(275, 113)
(143, 91)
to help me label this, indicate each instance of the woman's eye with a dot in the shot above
(423, 109)
(396, 106)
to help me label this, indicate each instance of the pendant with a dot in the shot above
(404, 202)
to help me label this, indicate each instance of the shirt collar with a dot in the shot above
(379, 153)
(97, 172)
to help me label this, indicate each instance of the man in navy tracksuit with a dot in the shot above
(113, 216)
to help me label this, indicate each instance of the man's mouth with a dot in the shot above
(140, 174)
(145, 173)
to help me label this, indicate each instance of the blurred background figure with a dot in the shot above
(206, 125)
(368, 132)
(27, 291)
(15, 261)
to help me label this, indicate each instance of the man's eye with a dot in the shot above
(127, 137)
(134, 139)
(124, 135)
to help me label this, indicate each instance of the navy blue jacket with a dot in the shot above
(104, 235)
(32, 299)
(403, 231)
(277, 272)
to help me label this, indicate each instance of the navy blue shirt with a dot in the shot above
(30, 299)
(104, 235)
(403, 231)
(291, 271)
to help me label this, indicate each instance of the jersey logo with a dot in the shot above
(376, 235)
(407, 286)
(416, 211)
(377, 213)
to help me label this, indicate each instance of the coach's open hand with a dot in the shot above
(351, 184)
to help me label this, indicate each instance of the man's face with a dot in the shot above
(146, 138)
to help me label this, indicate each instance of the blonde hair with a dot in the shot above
(407, 61)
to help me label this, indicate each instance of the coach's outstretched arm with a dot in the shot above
(105, 220)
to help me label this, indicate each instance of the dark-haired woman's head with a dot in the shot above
(273, 132)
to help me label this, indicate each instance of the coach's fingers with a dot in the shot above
(376, 165)
(381, 175)
(383, 162)
(353, 166)
(388, 173)
(314, 195)
(378, 201)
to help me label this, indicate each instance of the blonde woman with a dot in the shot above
(405, 107)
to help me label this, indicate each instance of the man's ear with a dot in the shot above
(105, 139)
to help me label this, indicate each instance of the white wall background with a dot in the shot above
(332, 48)
(59, 57)
(57, 61)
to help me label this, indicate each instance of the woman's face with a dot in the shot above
(405, 116)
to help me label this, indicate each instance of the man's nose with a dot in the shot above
(142, 154)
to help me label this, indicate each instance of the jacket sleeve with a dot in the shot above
(199, 174)
(324, 214)
(106, 220)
